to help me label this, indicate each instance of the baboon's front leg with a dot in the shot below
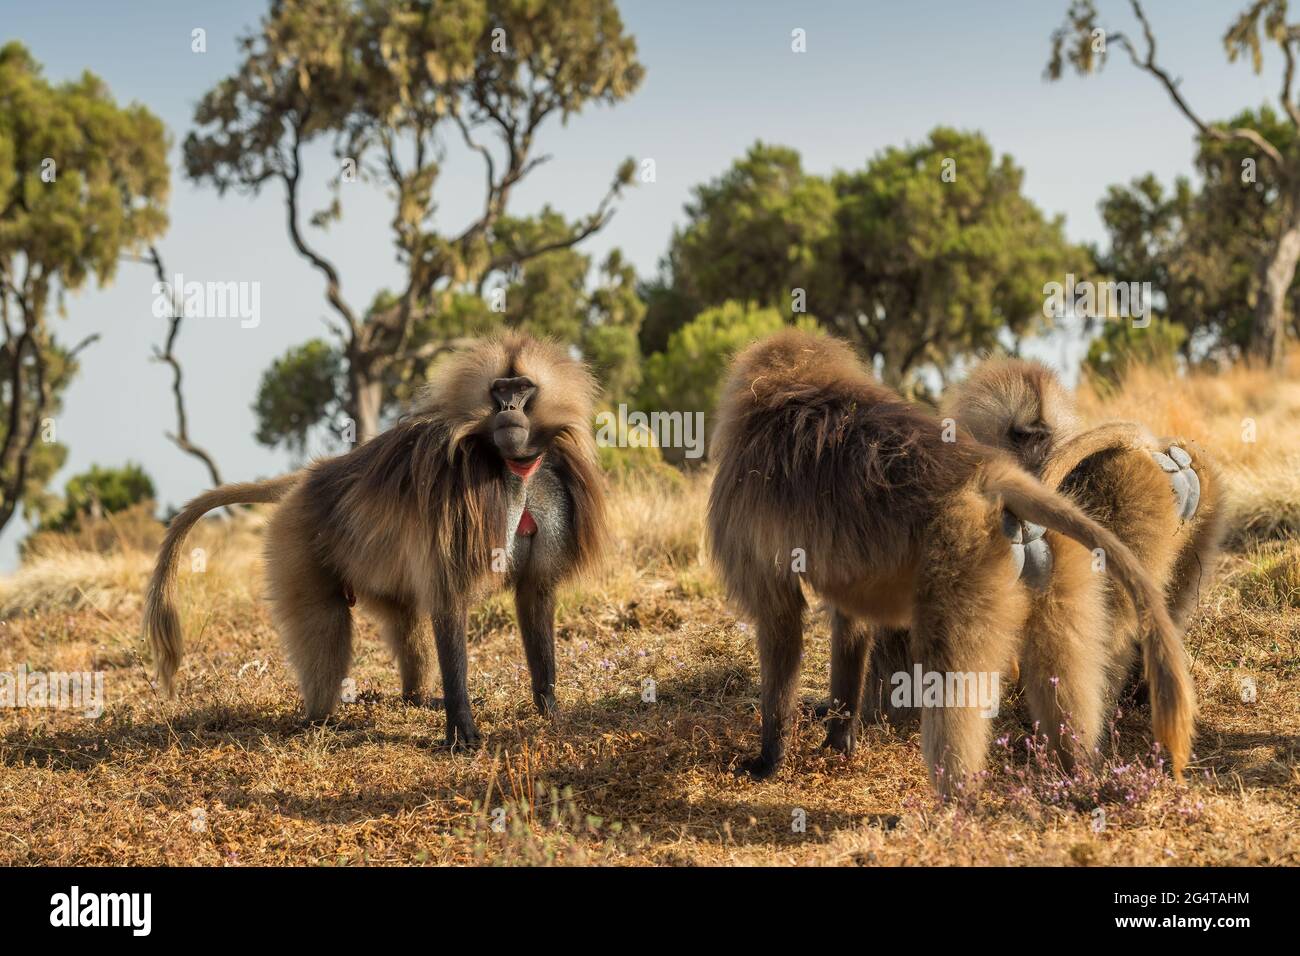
(780, 650)
(850, 650)
(449, 635)
(535, 606)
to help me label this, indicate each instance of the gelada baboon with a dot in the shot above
(826, 477)
(1161, 496)
(491, 480)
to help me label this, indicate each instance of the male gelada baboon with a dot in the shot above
(1161, 496)
(491, 480)
(820, 468)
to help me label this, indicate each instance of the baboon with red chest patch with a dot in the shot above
(490, 481)
(823, 470)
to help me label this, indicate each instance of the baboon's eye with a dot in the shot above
(1022, 434)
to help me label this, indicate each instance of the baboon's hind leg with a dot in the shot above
(412, 645)
(850, 649)
(317, 635)
(311, 614)
(1066, 655)
(780, 652)
(969, 610)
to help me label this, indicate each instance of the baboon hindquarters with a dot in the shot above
(310, 609)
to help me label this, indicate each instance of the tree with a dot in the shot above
(941, 253)
(688, 375)
(1197, 247)
(100, 491)
(761, 230)
(387, 83)
(552, 295)
(1274, 155)
(1121, 345)
(81, 181)
(299, 390)
(928, 253)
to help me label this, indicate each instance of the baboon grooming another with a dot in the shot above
(490, 481)
(1161, 496)
(898, 527)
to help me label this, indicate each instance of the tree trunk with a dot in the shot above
(1269, 329)
(365, 396)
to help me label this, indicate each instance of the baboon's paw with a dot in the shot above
(842, 739)
(757, 768)
(817, 709)
(546, 705)
(463, 737)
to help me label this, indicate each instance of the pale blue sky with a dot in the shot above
(719, 75)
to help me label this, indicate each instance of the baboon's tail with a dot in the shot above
(1173, 699)
(162, 626)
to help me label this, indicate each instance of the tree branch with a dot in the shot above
(1288, 75)
(1148, 63)
(333, 289)
(181, 437)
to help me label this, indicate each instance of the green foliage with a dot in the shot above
(757, 232)
(688, 375)
(609, 339)
(81, 181)
(110, 176)
(1199, 249)
(299, 391)
(101, 491)
(944, 263)
(388, 84)
(1121, 345)
(927, 254)
(667, 307)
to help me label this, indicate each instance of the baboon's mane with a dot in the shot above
(437, 466)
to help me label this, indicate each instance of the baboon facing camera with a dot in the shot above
(825, 476)
(490, 481)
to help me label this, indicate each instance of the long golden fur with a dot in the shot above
(893, 525)
(420, 521)
(1022, 407)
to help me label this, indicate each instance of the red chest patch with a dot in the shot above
(527, 526)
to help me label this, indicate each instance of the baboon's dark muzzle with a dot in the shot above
(510, 433)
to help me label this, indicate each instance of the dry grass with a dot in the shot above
(1249, 419)
(227, 774)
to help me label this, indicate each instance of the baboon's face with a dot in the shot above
(520, 445)
(515, 395)
(1029, 437)
(1020, 407)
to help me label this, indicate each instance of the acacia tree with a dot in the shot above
(387, 83)
(1083, 43)
(81, 181)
